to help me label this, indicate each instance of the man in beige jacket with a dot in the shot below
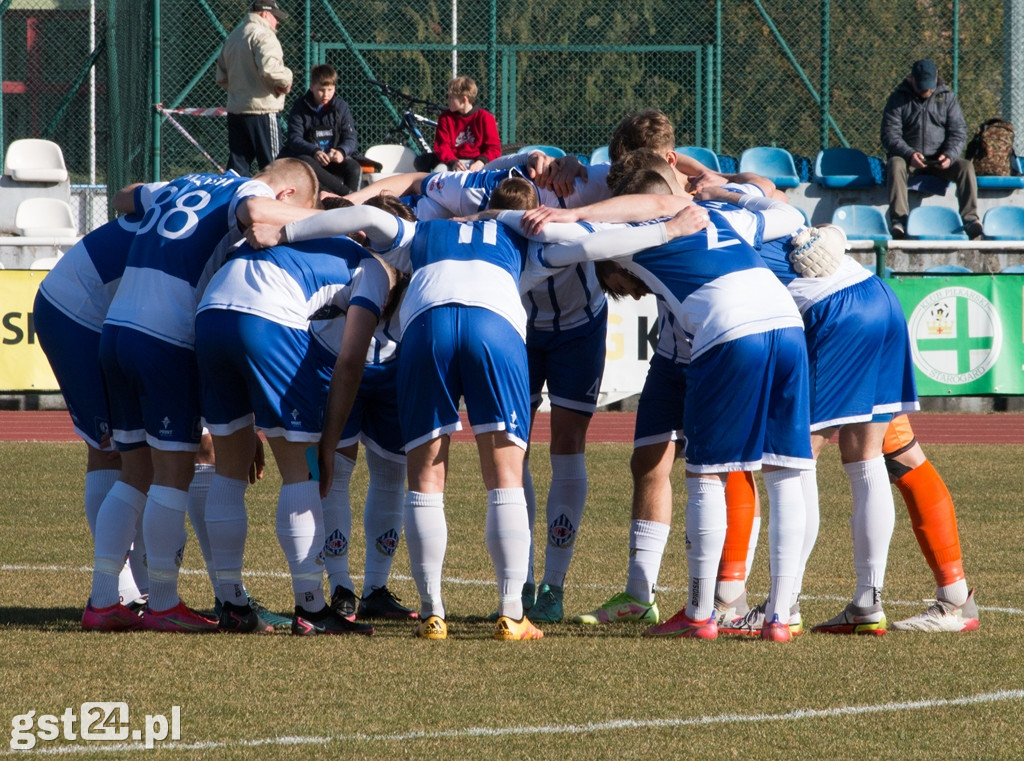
(251, 68)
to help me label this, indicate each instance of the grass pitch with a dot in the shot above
(580, 693)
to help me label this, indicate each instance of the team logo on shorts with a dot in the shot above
(561, 532)
(165, 428)
(387, 542)
(336, 544)
(179, 556)
(956, 335)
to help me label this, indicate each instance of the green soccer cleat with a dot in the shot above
(548, 607)
(622, 608)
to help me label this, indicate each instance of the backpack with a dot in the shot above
(991, 149)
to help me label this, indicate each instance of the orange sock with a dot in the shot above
(740, 499)
(933, 518)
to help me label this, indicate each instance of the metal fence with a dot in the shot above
(731, 73)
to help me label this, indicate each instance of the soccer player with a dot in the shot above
(148, 361)
(746, 381)
(259, 363)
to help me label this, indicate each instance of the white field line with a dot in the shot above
(550, 729)
(484, 583)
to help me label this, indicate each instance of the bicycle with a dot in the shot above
(407, 128)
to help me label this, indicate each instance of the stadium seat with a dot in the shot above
(843, 168)
(947, 269)
(1004, 223)
(861, 222)
(44, 218)
(550, 150)
(935, 223)
(44, 263)
(600, 155)
(1013, 269)
(889, 272)
(774, 163)
(706, 156)
(394, 159)
(34, 160)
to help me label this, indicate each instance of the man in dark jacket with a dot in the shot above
(923, 131)
(321, 132)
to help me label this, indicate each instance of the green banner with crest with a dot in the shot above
(966, 333)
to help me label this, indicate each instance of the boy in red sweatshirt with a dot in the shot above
(467, 135)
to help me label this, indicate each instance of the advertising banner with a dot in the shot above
(23, 366)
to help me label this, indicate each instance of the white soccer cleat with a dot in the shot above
(943, 616)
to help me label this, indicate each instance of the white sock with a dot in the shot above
(382, 518)
(300, 531)
(137, 559)
(508, 541)
(227, 525)
(426, 535)
(337, 509)
(116, 521)
(198, 490)
(163, 526)
(812, 519)
(874, 518)
(566, 500)
(647, 540)
(755, 533)
(531, 514)
(785, 538)
(705, 538)
(955, 593)
(97, 485)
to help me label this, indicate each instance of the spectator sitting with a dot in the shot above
(321, 133)
(467, 135)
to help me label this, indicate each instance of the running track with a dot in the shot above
(931, 428)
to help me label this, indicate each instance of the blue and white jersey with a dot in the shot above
(290, 283)
(83, 282)
(569, 297)
(474, 264)
(714, 283)
(672, 343)
(182, 240)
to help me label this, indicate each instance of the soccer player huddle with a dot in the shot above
(233, 306)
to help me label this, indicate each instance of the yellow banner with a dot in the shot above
(23, 366)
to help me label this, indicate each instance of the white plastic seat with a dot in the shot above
(33, 160)
(394, 159)
(44, 262)
(44, 218)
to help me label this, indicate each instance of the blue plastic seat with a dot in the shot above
(861, 222)
(774, 163)
(550, 150)
(843, 168)
(600, 155)
(1013, 269)
(935, 223)
(947, 269)
(706, 156)
(1009, 182)
(1004, 223)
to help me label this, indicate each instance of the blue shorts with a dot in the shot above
(858, 350)
(571, 362)
(746, 404)
(451, 352)
(374, 418)
(254, 368)
(74, 354)
(659, 411)
(153, 389)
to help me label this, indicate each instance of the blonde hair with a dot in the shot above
(463, 87)
(293, 173)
